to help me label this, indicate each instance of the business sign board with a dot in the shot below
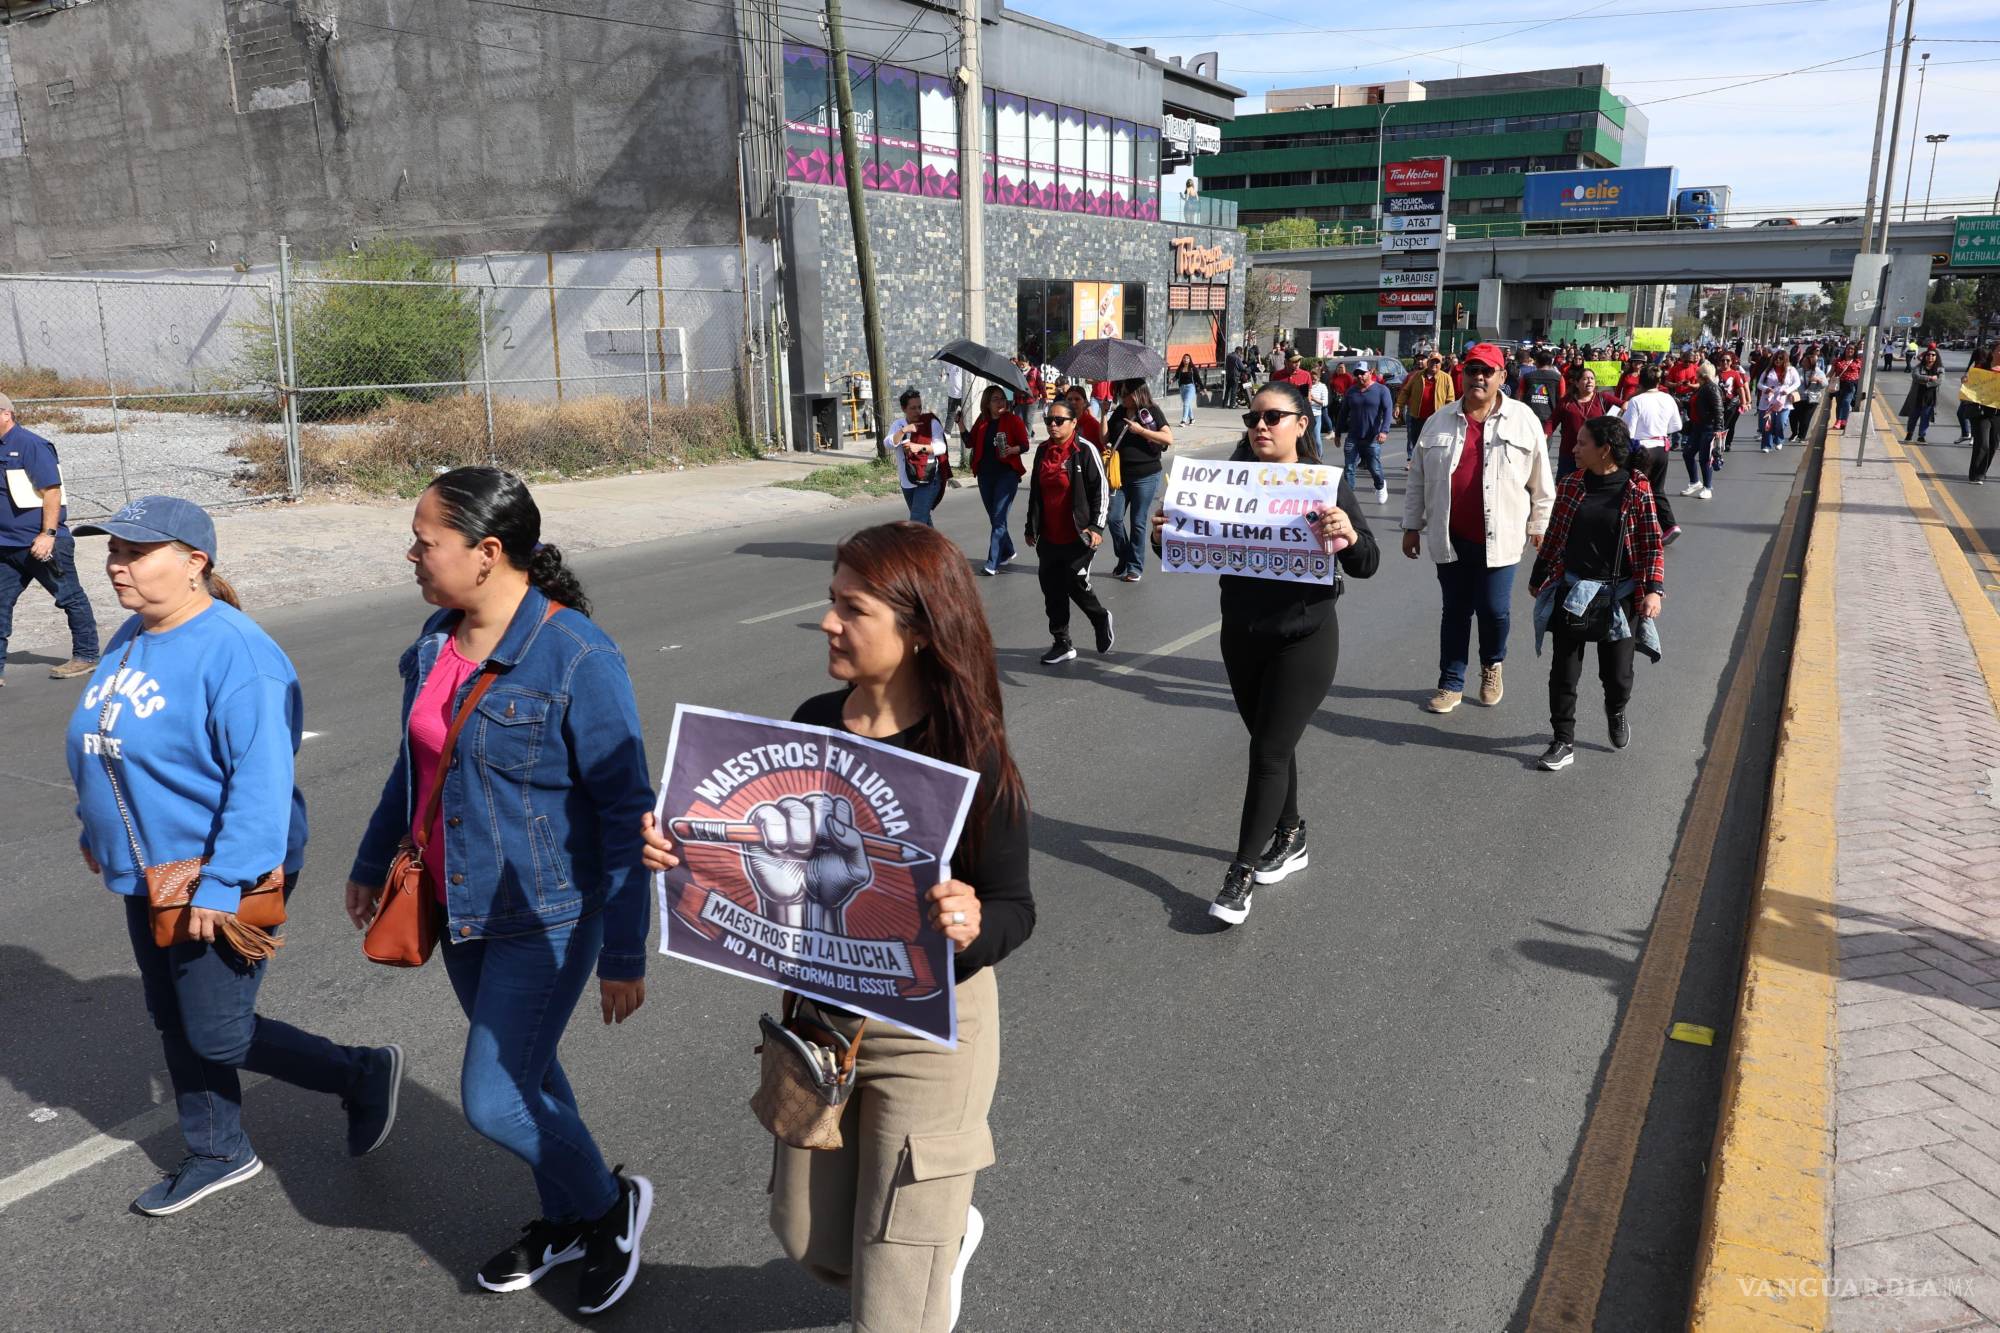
(1404, 319)
(1396, 242)
(1630, 192)
(1406, 278)
(1424, 176)
(1427, 202)
(1424, 299)
(1975, 242)
(1413, 222)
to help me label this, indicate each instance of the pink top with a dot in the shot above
(430, 721)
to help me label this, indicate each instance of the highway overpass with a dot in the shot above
(1620, 259)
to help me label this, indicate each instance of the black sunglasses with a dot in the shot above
(1480, 368)
(1270, 416)
(1058, 421)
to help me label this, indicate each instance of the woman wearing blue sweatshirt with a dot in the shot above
(182, 747)
(533, 853)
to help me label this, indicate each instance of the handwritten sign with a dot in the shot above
(1248, 518)
(1608, 372)
(1652, 340)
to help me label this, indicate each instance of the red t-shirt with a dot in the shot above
(1052, 483)
(1341, 382)
(1091, 429)
(430, 722)
(1468, 492)
(1428, 404)
(1301, 377)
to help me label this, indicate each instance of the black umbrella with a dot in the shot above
(982, 361)
(1110, 359)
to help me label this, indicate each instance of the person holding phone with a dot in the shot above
(889, 1215)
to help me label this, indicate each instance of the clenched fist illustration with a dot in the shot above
(810, 863)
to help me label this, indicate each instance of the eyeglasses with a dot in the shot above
(1270, 416)
(1480, 368)
(1059, 421)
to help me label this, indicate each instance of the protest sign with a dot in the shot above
(1652, 340)
(1608, 372)
(1248, 518)
(1982, 387)
(805, 857)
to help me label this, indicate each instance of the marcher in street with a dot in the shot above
(889, 1216)
(1603, 531)
(1232, 376)
(1985, 421)
(996, 445)
(1067, 499)
(1698, 439)
(1920, 404)
(1583, 403)
(1736, 397)
(1777, 390)
(36, 545)
(1653, 419)
(1812, 388)
(1542, 387)
(1188, 380)
(1846, 383)
(1140, 435)
(917, 440)
(182, 747)
(1481, 489)
(532, 855)
(1366, 413)
(1423, 392)
(1280, 646)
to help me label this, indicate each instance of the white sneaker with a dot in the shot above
(1693, 489)
(975, 1231)
(1381, 495)
(1705, 493)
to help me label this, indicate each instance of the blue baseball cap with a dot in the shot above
(157, 518)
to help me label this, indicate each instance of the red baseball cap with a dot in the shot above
(1486, 353)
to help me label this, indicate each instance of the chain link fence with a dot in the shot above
(276, 383)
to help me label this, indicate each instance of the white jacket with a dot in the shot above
(1519, 485)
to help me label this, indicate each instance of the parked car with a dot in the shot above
(1387, 368)
(1776, 222)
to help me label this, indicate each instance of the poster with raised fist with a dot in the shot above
(805, 857)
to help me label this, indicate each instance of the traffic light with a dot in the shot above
(1458, 314)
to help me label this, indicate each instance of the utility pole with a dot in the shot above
(1916, 128)
(857, 215)
(971, 154)
(1933, 140)
(1873, 340)
(1881, 115)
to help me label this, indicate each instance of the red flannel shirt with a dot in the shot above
(1645, 553)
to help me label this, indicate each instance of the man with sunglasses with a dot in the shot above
(1480, 489)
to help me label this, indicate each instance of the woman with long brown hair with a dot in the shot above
(994, 449)
(890, 1216)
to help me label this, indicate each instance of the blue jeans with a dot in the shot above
(1698, 452)
(1364, 451)
(1472, 589)
(1130, 533)
(519, 992)
(921, 499)
(1777, 427)
(997, 486)
(1843, 400)
(1187, 403)
(58, 574)
(203, 999)
(1919, 423)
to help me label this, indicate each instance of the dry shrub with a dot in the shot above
(32, 382)
(50, 418)
(398, 449)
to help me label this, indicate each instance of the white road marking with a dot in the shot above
(788, 611)
(309, 735)
(1165, 650)
(97, 1148)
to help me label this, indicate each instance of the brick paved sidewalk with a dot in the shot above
(1916, 1197)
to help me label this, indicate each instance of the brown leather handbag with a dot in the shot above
(170, 885)
(805, 1080)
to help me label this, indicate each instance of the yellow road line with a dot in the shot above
(1965, 525)
(1764, 1258)
(1572, 1278)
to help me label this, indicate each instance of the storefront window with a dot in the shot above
(810, 145)
(1056, 328)
(937, 114)
(1135, 311)
(1146, 174)
(1042, 154)
(1029, 295)
(1053, 315)
(1069, 158)
(1121, 169)
(897, 131)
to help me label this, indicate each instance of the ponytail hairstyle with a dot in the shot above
(1308, 434)
(922, 575)
(482, 502)
(216, 586)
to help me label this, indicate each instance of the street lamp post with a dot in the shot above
(1381, 132)
(1933, 140)
(1916, 127)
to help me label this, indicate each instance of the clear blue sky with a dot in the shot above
(1789, 142)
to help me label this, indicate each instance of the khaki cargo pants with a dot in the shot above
(884, 1215)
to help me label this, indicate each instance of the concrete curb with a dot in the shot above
(1764, 1259)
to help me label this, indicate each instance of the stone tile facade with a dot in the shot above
(918, 269)
(10, 108)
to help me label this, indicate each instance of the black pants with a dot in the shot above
(1614, 668)
(1985, 436)
(1651, 463)
(1065, 575)
(1729, 419)
(1279, 684)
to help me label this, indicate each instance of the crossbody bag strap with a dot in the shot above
(111, 770)
(421, 833)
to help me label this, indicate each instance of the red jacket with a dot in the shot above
(1016, 433)
(1645, 559)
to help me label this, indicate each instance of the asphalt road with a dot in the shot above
(1356, 1111)
(1944, 462)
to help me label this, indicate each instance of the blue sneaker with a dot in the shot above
(371, 1114)
(194, 1180)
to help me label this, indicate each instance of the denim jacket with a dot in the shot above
(543, 795)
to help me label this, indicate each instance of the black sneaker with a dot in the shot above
(371, 1113)
(1105, 637)
(1062, 650)
(1560, 754)
(1621, 731)
(543, 1245)
(611, 1245)
(1233, 903)
(1286, 854)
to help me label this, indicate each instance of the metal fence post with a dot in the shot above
(486, 378)
(288, 374)
(111, 388)
(646, 368)
(287, 428)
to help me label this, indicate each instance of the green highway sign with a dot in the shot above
(1975, 243)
